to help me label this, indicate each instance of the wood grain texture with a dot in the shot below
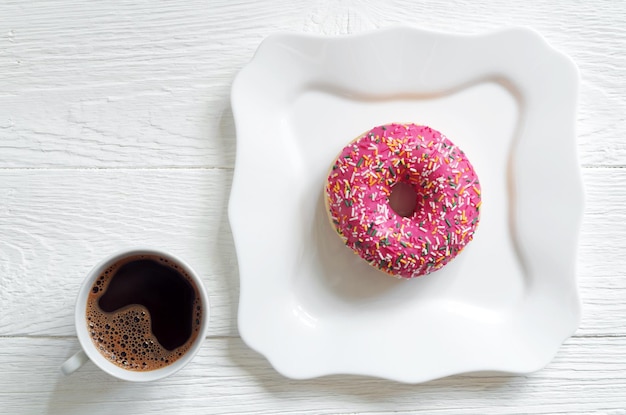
(123, 84)
(116, 130)
(226, 377)
(56, 224)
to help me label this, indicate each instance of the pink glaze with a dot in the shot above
(448, 199)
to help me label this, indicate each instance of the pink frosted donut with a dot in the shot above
(443, 184)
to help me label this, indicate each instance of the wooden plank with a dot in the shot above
(122, 85)
(226, 377)
(601, 258)
(54, 225)
(129, 85)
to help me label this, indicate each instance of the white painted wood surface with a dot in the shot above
(116, 130)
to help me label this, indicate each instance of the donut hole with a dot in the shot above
(403, 199)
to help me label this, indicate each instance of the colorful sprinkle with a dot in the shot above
(448, 203)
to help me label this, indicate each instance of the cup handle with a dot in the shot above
(74, 363)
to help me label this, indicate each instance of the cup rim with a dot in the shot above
(89, 347)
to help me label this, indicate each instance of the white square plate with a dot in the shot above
(506, 303)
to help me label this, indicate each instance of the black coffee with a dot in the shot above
(144, 312)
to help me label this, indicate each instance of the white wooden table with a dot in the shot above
(116, 131)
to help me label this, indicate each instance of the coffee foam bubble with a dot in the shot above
(125, 336)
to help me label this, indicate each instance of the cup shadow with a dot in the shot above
(94, 386)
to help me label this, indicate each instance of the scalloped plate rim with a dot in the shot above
(238, 94)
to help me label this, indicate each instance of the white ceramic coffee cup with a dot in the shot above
(88, 348)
